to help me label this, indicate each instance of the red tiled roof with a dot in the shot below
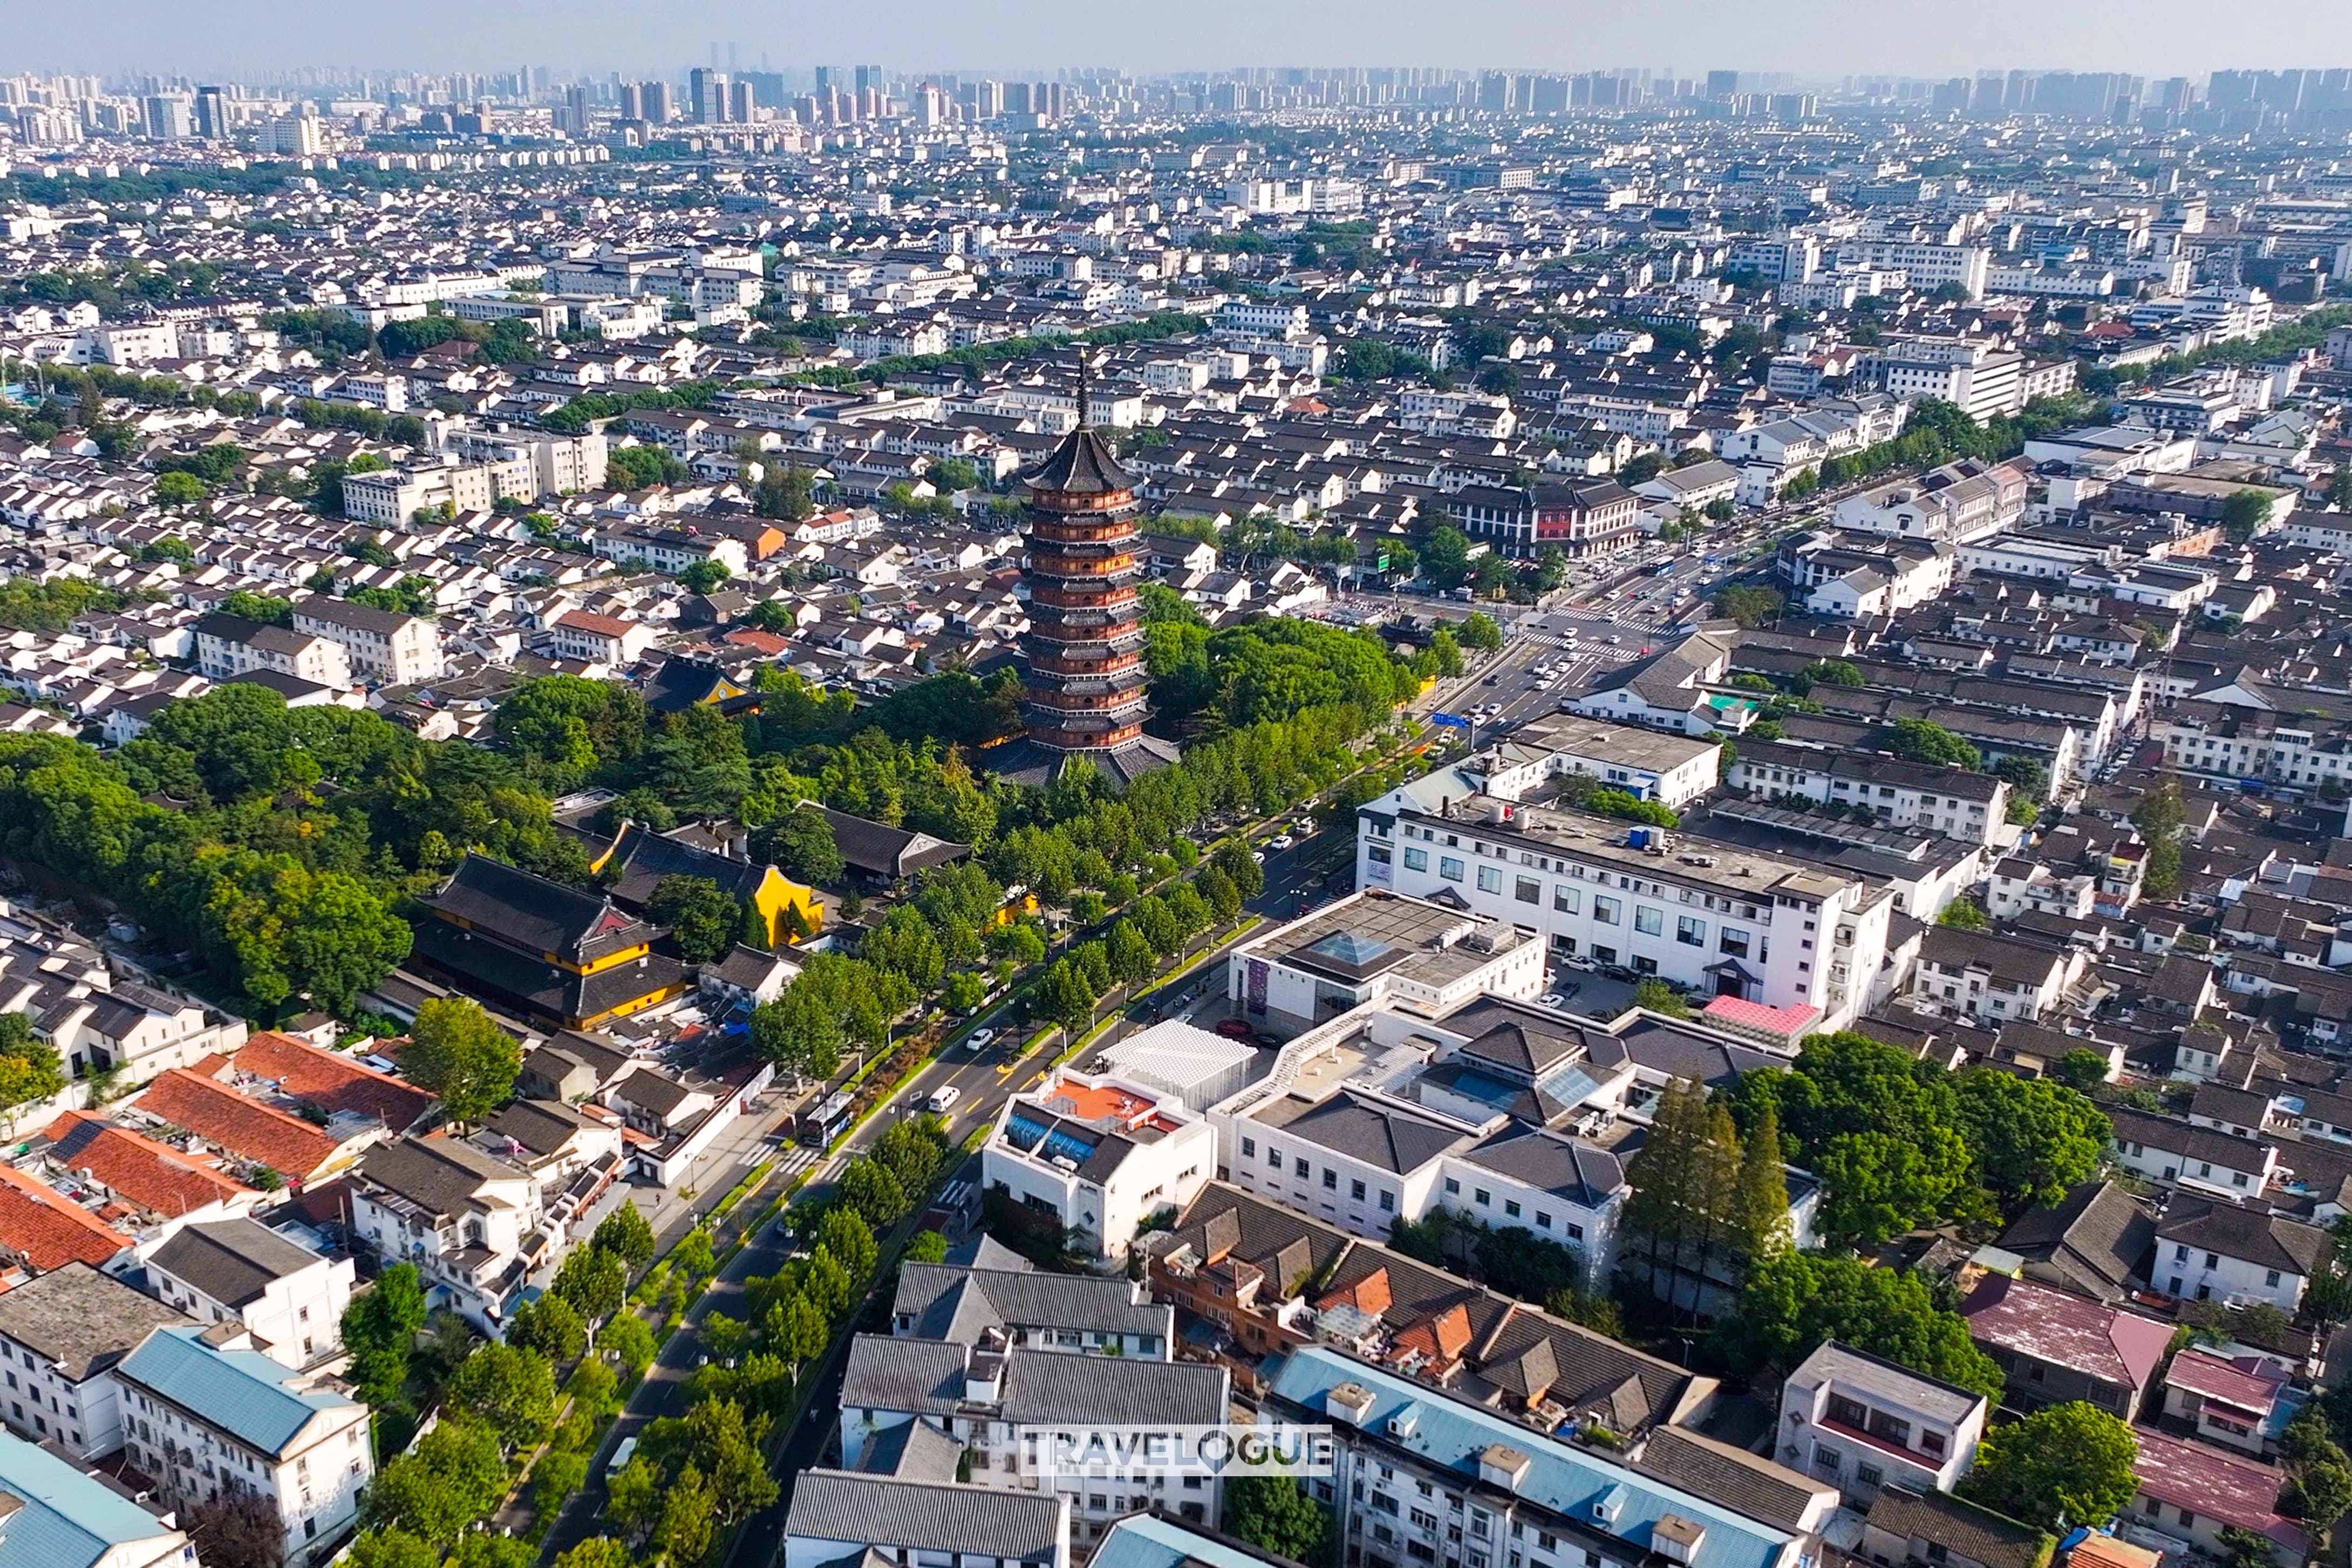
(159, 1178)
(589, 621)
(237, 1123)
(2066, 1330)
(45, 1231)
(2206, 1482)
(332, 1082)
(2238, 1384)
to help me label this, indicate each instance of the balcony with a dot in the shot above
(1059, 565)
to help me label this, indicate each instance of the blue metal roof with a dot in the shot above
(68, 1519)
(1570, 1480)
(243, 1393)
(1143, 1541)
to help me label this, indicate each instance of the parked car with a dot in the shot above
(1236, 1030)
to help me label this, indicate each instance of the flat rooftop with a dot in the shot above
(1600, 840)
(1629, 746)
(1375, 933)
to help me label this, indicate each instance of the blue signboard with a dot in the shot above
(1451, 721)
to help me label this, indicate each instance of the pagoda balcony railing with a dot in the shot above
(1081, 736)
(1117, 600)
(1082, 703)
(1082, 531)
(1079, 503)
(1087, 668)
(1083, 565)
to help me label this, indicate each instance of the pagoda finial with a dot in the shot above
(1083, 421)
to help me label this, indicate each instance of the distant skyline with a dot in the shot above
(1817, 39)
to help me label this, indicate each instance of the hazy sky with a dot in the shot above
(1817, 37)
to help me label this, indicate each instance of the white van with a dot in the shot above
(942, 1099)
(621, 1456)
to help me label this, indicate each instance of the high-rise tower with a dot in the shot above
(1085, 692)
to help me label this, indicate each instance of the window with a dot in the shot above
(1528, 890)
(1417, 859)
(1647, 920)
(1299, 1168)
(1603, 955)
(1490, 879)
(1452, 1187)
(1249, 1147)
(1449, 868)
(1511, 1207)
(1732, 941)
(1848, 1412)
(1387, 1200)
(1356, 1191)
(1484, 1198)
(1604, 910)
(1330, 1180)
(1273, 1156)
(1567, 901)
(1690, 933)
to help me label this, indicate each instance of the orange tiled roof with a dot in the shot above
(1370, 1294)
(159, 1178)
(237, 1123)
(47, 1232)
(330, 1080)
(1443, 1338)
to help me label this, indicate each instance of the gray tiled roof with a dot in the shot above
(1750, 1483)
(1043, 1386)
(1379, 1135)
(231, 1260)
(943, 1301)
(926, 1376)
(925, 1516)
(83, 1321)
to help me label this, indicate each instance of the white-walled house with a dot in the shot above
(1863, 1423)
(1100, 1154)
(61, 1334)
(288, 1297)
(207, 1416)
(2213, 1250)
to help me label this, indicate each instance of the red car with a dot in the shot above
(1236, 1030)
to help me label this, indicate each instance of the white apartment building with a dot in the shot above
(1424, 1476)
(289, 1298)
(1952, 802)
(387, 646)
(229, 646)
(207, 1417)
(981, 1398)
(1993, 979)
(1262, 319)
(600, 639)
(393, 497)
(2230, 742)
(1986, 384)
(54, 1502)
(471, 1223)
(1861, 1424)
(60, 1335)
(97, 1023)
(560, 465)
(1100, 1153)
(1712, 919)
(1928, 266)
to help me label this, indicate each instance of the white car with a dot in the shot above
(978, 1039)
(1280, 842)
(943, 1098)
